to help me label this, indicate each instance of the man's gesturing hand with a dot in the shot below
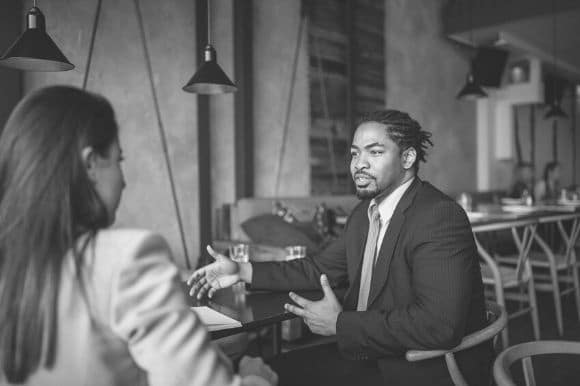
(320, 316)
(222, 273)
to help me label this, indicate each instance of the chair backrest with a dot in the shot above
(524, 352)
(497, 318)
(523, 232)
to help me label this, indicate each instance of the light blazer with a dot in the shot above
(134, 326)
(426, 289)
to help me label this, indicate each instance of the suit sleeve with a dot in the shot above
(303, 274)
(442, 258)
(165, 338)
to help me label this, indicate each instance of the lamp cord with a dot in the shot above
(208, 23)
(554, 32)
(289, 103)
(471, 22)
(92, 43)
(162, 132)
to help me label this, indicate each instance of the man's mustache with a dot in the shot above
(363, 174)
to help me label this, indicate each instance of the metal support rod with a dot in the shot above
(92, 43)
(290, 100)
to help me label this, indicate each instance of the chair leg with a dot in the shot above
(557, 300)
(501, 301)
(534, 308)
(576, 288)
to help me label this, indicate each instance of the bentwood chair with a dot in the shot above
(524, 352)
(497, 318)
(508, 282)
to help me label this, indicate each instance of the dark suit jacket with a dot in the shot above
(426, 290)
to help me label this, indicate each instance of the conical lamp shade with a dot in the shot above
(555, 111)
(472, 90)
(210, 78)
(34, 50)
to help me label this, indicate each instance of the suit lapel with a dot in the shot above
(388, 246)
(361, 240)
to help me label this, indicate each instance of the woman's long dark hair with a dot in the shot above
(551, 189)
(46, 201)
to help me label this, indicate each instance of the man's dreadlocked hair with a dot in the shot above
(403, 130)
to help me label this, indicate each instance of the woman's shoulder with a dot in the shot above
(126, 235)
(127, 242)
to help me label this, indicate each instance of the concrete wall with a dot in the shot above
(276, 25)
(424, 73)
(119, 72)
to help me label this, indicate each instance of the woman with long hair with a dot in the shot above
(80, 304)
(549, 186)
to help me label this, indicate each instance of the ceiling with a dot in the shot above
(534, 36)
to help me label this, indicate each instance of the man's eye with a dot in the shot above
(376, 152)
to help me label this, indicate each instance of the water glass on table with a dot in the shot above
(295, 252)
(240, 253)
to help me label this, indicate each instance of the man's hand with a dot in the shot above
(222, 273)
(320, 316)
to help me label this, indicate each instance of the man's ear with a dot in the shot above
(89, 160)
(409, 157)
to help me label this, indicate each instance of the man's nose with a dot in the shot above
(361, 162)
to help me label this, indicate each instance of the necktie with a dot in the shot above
(369, 257)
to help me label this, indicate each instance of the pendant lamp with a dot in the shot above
(555, 111)
(209, 78)
(471, 90)
(34, 50)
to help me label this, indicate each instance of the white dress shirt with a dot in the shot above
(387, 207)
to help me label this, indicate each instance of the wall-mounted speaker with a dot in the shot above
(488, 66)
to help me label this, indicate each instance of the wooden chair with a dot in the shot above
(524, 352)
(497, 317)
(553, 270)
(509, 282)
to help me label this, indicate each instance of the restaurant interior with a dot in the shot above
(236, 118)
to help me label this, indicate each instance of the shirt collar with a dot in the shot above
(388, 204)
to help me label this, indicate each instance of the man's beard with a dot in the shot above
(364, 194)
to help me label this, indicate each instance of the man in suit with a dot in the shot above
(409, 264)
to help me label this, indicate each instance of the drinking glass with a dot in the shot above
(295, 252)
(240, 253)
